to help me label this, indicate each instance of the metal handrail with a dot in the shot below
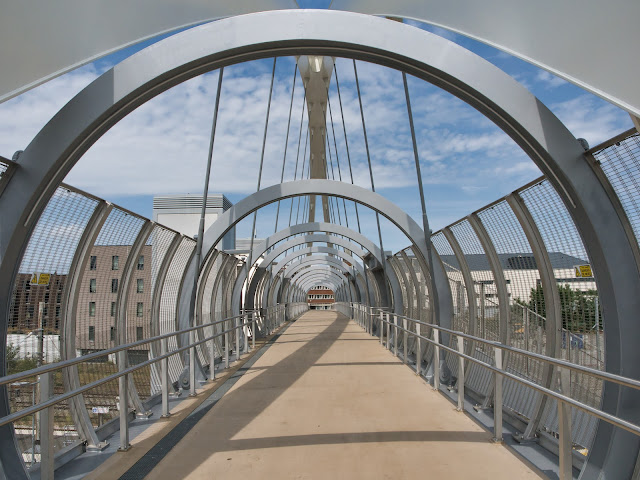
(72, 393)
(51, 367)
(126, 371)
(610, 377)
(564, 402)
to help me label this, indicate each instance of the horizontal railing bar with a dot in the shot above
(611, 377)
(59, 365)
(618, 422)
(51, 367)
(67, 395)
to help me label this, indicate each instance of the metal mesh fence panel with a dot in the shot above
(408, 296)
(582, 339)
(168, 303)
(522, 279)
(621, 164)
(141, 290)
(423, 278)
(478, 379)
(34, 330)
(458, 292)
(96, 327)
(394, 263)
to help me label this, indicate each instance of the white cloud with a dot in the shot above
(22, 117)
(549, 79)
(588, 117)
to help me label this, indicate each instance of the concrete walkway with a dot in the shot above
(327, 401)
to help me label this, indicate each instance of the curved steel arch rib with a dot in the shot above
(260, 269)
(315, 276)
(305, 251)
(61, 143)
(273, 240)
(362, 240)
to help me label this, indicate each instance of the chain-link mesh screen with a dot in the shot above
(36, 312)
(621, 164)
(168, 303)
(522, 279)
(582, 335)
(208, 313)
(139, 305)
(96, 327)
(488, 314)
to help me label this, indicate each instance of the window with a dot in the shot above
(114, 285)
(114, 262)
(139, 334)
(92, 309)
(140, 285)
(92, 285)
(113, 309)
(141, 262)
(92, 333)
(93, 263)
(112, 334)
(57, 310)
(30, 311)
(59, 298)
(139, 309)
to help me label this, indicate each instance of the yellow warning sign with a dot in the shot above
(583, 271)
(40, 279)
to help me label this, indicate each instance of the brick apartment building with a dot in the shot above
(320, 298)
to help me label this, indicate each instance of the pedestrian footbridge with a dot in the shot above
(502, 345)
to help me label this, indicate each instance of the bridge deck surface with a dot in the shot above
(327, 401)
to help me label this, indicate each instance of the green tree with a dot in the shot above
(577, 309)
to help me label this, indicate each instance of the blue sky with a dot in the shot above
(466, 161)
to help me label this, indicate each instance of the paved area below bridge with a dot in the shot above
(325, 400)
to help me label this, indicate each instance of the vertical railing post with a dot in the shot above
(395, 335)
(381, 324)
(405, 339)
(419, 348)
(245, 331)
(253, 330)
(164, 374)
(564, 428)
(497, 398)
(226, 344)
(388, 329)
(237, 332)
(192, 363)
(460, 375)
(436, 359)
(46, 428)
(212, 355)
(123, 391)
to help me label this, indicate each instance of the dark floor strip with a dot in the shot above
(148, 462)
